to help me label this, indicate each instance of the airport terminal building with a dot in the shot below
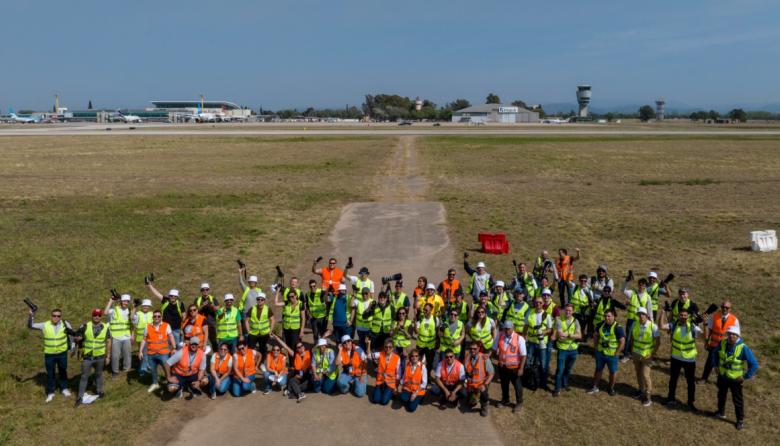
(494, 113)
(225, 108)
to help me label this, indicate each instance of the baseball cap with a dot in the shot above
(519, 291)
(321, 342)
(146, 303)
(546, 292)
(97, 312)
(253, 279)
(500, 283)
(204, 285)
(652, 274)
(430, 286)
(195, 340)
(345, 338)
(483, 293)
(173, 292)
(125, 298)
(365, 290)
(363, 270)
(228, 296)
(509, 324)
(481, 265)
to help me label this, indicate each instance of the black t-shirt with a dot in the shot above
(173, 315)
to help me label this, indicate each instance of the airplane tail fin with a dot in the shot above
(200, 109)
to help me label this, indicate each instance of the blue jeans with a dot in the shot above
(537, 355)
(564, 292)
(549, 356)
(629, 337)
(438, 392)
(154, 361)
(240, 388)
(566, 359)
(362, 335)
(325, 385)
(223, 387)
(267, 381)
(382, 395)
(60, 361)
(176, 336)
(344, 381)
(410, 403)
(339, 331)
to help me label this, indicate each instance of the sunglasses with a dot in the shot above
(388, 346)
(725, 307)
(56, 315)
(481, 312)
(415, 356)
(299, 347)
(331, 263)
(157, 316)
(224, 349)
(193, 310)
(449, 356)
(276, 350)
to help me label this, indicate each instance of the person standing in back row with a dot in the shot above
(172, 309)
(479, 281)
(565, 268)
(331, 277)
(119, 320)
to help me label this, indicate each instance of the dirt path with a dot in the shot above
(398, 233)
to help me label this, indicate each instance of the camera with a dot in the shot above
(149, 279)
(396, 276)
(279, 271)
(630, 276)
(137, 302)
(114, 294)
(667, 306)
(30, 304)
(349, 265)
(465, 254)
(669, 277)
(241, 264)
(318, 259)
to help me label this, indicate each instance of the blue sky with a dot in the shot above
(331, 53)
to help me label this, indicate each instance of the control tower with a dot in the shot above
(583, 98)
(659, 109)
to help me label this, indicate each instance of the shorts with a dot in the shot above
(610, 361)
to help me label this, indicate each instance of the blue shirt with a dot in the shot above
(746, 355)
(340, 311)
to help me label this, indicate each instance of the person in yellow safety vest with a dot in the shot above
(316, 301)
(97, 351)
(517, 311)
(362, 319)
(610, 338)
(461, 306)
(479, 280)
(293, 317)
(249, 290)
(362, 281)
(259, 324)
(732, 353)
(482, 329)
(207, 307)
(398, 298)
(582, 298)
(511, 363)
(229, 329)
(568, 333)
(683, 332)
(171, 307)
(55, 350)
(646, 341)
(634, 300)
(324, 370)
(543, 265)
(382, 315)
(451, 334)
(683, 302)
(121, 336)
(523, 280)
(402, 332)
(433, 298)
(537, 333)
(655, 289)
(500, 297)
(425, 330)
(140, 319)
(493, 312)
(282, 293)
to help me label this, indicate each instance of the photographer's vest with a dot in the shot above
(276, 365)
(450, 377)
(382, 319)
(483, 334)
(120, 325)
(193, 327)
(397, 301)
(517, 316)
(637, 301)
(157, 339)
(413, 378)
(222, 365)
(476, 285)
(315, 304)
(360, 307)
(54, 343)
(286, 293)
(527, 281)
(565, 268)
(643, 345)
(323, 364)
(291, 316)
(601, 307)
(259, 325)
(244, 296)
(679, 306)
(608, 341)
(533, 328)
(437, 303)
(509, 352)
(352, 361)
(360, 284)
(199, 300)
(400, 339)
(246, 363)
(95, 346)
(331, 278)
(448, 338)
(569, 328)
(302, 363)
(185, 367)
(463, 311)
(730, 366)
(653, 290)
(426, 336)
(387, 370)
(683, 346)
(227, 326)
(476, 372)
(448, 289)
(579, 299)
(501, 300)
(142, 320)
(718, 332)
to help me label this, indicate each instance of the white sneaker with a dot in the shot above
(153, 387)
(625, 360)
(286, 392)
(254, 391)
(303, 395)
(65, 392)
(213, 395)
(49, 397)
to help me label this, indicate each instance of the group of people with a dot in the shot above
(452, 339)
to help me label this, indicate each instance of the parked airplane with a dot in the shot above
(32, 119)
(126, 118)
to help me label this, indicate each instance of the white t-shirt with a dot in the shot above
(520, 343)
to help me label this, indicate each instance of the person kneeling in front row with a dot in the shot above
(187, 369)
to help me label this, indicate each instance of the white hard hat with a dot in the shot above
(125, 298)
(261, 295)
(146, 303)
(253, 279)
(204, 285)
(652, 274)
(345, 338)
(430, 286)
(228, 296)
(500, 283)
(342, 287)
(321, 342)
(733, 329)
(173, 292)
(481, 265)
(546, 292)
(641, 310)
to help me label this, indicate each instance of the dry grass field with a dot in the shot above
(82, 215)
(684, 205)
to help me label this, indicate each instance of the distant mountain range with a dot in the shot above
(671, 107)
